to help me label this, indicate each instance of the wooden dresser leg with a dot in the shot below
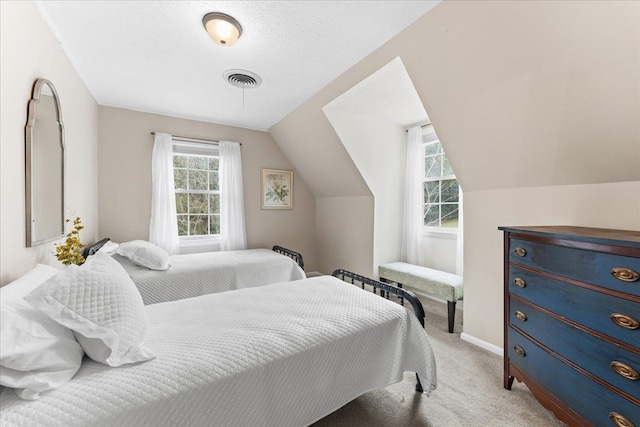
(508, 382)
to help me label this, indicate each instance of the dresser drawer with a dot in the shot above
(591, 400)
(586, 266)
(589, 308)
(589, 352)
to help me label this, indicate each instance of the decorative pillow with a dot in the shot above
(145, 254)
(36, 353)
(103, 307)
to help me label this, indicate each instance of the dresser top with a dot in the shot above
(585, 234)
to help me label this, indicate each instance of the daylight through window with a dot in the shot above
(197, 193)
(439, 186)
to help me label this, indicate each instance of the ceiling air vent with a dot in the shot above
(243, 78)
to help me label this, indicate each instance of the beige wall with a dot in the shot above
(378, 149)
(523, 94)
(28, 50)
(344, 229)
(125, 180)
(615, 205)
(439, 251)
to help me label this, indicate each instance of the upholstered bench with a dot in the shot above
(432, 282)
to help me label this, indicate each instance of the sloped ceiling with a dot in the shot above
(522, 94)
(155, 56)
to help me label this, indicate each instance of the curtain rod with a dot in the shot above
(190, 138)
(422, 126)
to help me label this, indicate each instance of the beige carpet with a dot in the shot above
(469, 392)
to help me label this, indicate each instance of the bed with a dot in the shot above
(211, 272)
(285, 354)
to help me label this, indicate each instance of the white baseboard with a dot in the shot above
(314, 274)
(482, 344)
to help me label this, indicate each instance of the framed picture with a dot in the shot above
(277, 189)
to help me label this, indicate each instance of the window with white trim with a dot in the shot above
(197, 189)
(439, 185)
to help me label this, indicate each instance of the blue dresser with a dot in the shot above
(572, 321)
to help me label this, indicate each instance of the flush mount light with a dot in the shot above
(222, 28)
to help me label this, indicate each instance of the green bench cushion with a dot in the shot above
(432, 282)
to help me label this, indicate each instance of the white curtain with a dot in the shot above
(460, 242)
(233, 236)
(413, 203)
(163, 230)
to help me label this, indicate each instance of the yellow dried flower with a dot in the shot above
(71, 251)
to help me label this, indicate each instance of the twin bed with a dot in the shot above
(205, 273)
(283, 354)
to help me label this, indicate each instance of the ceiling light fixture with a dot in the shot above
(222, 28)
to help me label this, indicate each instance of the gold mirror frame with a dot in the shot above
(29, 163)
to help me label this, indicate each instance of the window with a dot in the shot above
(195, 171)
(439, 185)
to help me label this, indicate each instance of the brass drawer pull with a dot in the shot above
(620, 420)
(519, 282)
(624, 370)
(520, 251)
(624, 321)
(519, 351)
(625, 274)
(521, 316)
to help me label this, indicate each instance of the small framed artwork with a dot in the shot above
(277, 189)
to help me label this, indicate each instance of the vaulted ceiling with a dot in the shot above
(155, 56)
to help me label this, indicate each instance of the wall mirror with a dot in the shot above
(44, 172)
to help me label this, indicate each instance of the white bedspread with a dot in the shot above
(211, 272)
(281, 355)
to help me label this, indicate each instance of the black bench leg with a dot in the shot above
(451, 309)
(419, 388)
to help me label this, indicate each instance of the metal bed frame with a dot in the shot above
(296, 256)
(386, 289)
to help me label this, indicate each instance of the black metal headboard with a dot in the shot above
(92, 249)
(296, 256)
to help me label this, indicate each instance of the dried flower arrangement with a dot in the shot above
(71, 251)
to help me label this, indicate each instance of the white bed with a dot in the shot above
(193, 275)
(285, 354)
(205, 273)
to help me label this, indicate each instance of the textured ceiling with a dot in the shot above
(156, 56)
(388, 95)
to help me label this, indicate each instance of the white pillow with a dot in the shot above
(100, 303)
(36, 353)
(145, 254)
(109, 248)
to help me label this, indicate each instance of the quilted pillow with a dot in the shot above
(36, 353)
(100, 303)
(145, 254)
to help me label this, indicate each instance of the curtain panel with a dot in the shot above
(412, 222)
(233, 235)
(163, 229)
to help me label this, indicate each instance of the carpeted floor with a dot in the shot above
(469, 392)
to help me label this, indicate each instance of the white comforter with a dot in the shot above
(286, 354)
(211, 272)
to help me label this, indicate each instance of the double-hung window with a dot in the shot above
(197, 190)
(439, 185)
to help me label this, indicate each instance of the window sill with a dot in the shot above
(199, 244)
(440, 233)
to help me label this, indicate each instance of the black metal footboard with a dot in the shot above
(297, 257)
(385, 290)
